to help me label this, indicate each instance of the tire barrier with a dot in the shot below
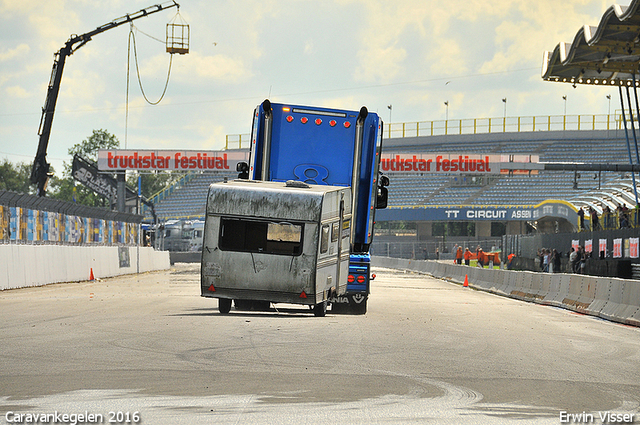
(613, 299)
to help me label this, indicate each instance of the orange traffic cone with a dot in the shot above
(466, 281)
(91, 276)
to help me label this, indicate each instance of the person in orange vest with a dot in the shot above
(481, 257)
(459, 255)
(467, 256)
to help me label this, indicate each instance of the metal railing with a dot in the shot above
(613, 220)
(480, 126)
(238, 141)
(504, 125)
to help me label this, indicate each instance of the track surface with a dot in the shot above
(427, 351)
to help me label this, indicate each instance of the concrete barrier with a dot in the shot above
(36, 265)
(629, 309)
(601, 297)
(613, 299)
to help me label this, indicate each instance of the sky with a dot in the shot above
(414, 55)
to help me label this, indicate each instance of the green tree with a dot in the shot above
(65, 188)
(99, 139)
(15, 177)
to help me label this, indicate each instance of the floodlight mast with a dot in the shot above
(40, 171)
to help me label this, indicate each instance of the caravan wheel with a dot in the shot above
(224, 305)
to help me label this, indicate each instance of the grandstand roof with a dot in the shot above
(607, 54)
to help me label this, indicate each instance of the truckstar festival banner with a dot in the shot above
(454, 163)
(150, 160)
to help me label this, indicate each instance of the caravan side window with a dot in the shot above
(260, 236)
(335, 232)
(324, 239)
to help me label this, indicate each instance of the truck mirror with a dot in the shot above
(384, 180)
(382, 198)
(243, 169)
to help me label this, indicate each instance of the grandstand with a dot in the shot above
(412, 189)
(588, 147)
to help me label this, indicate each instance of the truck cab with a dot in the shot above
(332, 147)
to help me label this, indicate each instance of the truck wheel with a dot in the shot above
(224, 305)
(359, 308)
(320, 310)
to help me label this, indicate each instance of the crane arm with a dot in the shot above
(40, 171)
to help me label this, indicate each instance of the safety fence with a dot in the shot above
(28, 219)
(431, 250)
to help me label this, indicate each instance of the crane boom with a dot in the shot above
(40, 170)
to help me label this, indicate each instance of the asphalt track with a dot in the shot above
(427, 351)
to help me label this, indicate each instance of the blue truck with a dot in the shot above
(333, 147)
(299, 146)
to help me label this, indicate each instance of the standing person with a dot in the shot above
(579, 254)
(594, 219)
(437, 254)
(481, 258)
(541, 253)
(510, 258)
(556, 261)
(606, 217)
(573, 258)
(583, 260)
(581, 219)
(459, 255)
(545, 260)
(467, 256)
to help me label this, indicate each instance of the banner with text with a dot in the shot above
(180, 160)
(545, 210)
(435, 163)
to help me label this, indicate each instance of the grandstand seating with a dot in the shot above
(189, 200)
(415, 189)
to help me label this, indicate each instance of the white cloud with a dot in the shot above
(337, 53)
(19, 51)
(221, 68)
(17, 91)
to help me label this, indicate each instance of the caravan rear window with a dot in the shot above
(269, 237)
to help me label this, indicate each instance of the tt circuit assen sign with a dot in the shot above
(548, 208)
(157, 160)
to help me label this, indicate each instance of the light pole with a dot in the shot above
(608, 112)
(564, 118)
(504, 120)
(446, 117)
